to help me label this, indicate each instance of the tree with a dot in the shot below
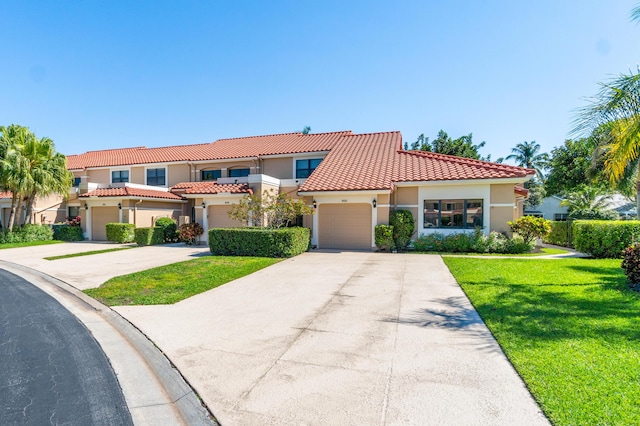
(444, 144)
(527, 154)
(536, 193)
(269, 209)
(306, 130)
(587, 197)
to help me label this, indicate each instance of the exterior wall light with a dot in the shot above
(375, 203)
(86, 206)
(204, 205)
(315, 205)
(119, 206)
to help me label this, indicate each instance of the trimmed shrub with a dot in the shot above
(403, 228)
(384, 237)
(530, 227)
(169, 229)
(631, 264)
(471, 243)
(605, 238)
(561, 234)
(189, 232)
(64, 232)
(259, 241)
(594, 215)
(27, 234)
(121, 232)
(149, 236)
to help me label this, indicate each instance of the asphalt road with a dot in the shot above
(52, 371)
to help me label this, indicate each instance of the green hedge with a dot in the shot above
(64, 232)
(169, 229)
(149, 236)
(561, 234)
(605, 238)
(260, 242)
(26, 234)
(121, 232)
(384, 237)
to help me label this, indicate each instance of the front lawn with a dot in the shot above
(29, 244)
(172, 283)
(570, 327)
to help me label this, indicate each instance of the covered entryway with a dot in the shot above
(219, 217)
(100, 216)
(344, 226)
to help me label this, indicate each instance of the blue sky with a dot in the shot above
(109, 74)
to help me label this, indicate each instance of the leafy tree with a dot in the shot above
(444, 144)
(530, 228)
(587, 197)
(306, 130)
(569, 166)
(527, 154)
(269, 209)
(536, 193)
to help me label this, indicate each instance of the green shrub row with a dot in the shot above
(121, 232)
(605, 238)
(476, 242)
(64, 232)
(258, 241)
(26, 234)
(169, 229)
(561, 234)
(149, 236)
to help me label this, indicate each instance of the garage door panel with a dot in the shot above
(218, 217)
(344, 226)
(100, 216)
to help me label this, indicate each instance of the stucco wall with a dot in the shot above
(502, 194)
(178, 173)
(281, 168)
(99, 176)
(499, 218)
(137, 175)
(406, 196)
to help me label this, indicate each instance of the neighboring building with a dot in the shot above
(549, 208)
(352, 181)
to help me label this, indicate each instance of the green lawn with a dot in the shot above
(86, 253)
(544, 251)
(29, 244)
(570, 327)
(172, 283)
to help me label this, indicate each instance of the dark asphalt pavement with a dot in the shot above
(52, 371)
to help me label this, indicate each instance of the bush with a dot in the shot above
(384, 237)
(594, 215)
(561, 234)
(259, 241)
(27, 234)
(169, 229)
(471, 243)
(605, 238)
(403, 228)
(64, 232)
(149, 236)
(121, 232)
(631, 264)
(530, 227)
(189, 232)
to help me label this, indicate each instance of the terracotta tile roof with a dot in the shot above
(377, 161)
(520, 190)
(253, 146)
(128, 191)
(212, 188)
(6, 194)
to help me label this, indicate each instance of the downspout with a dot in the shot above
(135, 211)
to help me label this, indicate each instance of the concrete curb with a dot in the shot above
(179, 394)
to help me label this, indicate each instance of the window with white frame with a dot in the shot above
(120, 176)
(453, 214)
(157, 177)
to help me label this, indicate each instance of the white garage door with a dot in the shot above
(344, 226)
(100, 216)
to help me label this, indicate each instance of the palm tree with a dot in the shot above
(14, 176)
(526, 154)
(613, 119)
(587, 198)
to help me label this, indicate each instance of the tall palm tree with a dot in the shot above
(613, 118)
(14, 174)
(527, 154)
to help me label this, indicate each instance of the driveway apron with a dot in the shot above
(341, 338)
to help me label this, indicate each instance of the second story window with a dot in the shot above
(211, 174)
(234, 173)
(304, 168)
(156, 177)
(120, 176)
(76, 182)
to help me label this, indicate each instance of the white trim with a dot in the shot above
(384, 205)
(344, 193)
(260, 178)
(408, 206)
(502, 205)
(118, 169)
(465, 182)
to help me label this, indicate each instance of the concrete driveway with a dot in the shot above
(340, 339)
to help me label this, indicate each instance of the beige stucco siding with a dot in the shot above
(501, 194)
(137, 175)
(281, 168)
(177, 173)
(499, 218)
(99, 176)
(406, 196)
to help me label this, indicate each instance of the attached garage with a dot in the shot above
(100, 216)
(344, 226)
(219, 217)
